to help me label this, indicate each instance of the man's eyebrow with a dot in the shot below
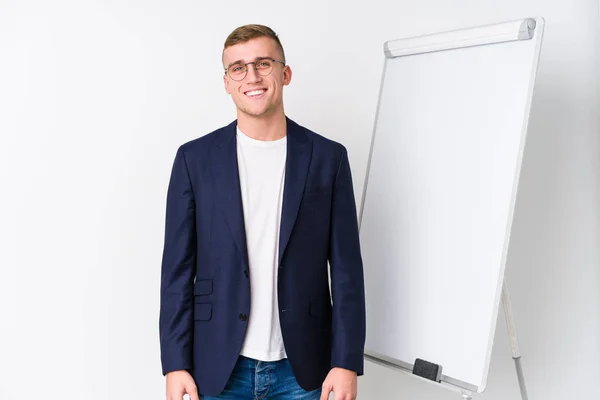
(242, 61)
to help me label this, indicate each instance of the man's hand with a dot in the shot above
(342, 382)
(180, 383)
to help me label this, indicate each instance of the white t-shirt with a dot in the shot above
(261, 167)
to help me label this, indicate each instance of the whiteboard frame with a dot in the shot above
(531, 28)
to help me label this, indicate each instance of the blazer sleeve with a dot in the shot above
(176, 322)
(347, 280)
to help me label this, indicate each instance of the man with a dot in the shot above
(255, 210)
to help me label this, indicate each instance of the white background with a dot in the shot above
(95, 97)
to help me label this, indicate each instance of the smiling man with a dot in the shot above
(255, 211)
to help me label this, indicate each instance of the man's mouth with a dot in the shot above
(255, 93)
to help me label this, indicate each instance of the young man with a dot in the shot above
(255, 210)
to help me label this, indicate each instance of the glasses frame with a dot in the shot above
(245, 65)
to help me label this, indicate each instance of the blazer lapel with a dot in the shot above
(296, 169)
(227, 181)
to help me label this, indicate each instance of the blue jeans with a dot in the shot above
(262, 380)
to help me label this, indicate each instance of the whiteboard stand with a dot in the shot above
(514, 345)
(447, 183)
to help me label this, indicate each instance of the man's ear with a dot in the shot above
(226, 84)
(287, 75)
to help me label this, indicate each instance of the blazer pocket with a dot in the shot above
(203, 287)
(202, 311)
(320, 307)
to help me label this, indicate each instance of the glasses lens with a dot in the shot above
(237, 71)
(264, 66)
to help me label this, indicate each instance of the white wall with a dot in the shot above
(95, 96)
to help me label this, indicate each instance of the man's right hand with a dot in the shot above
(179, 383)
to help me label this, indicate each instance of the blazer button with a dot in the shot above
(246, 272)
(243, 317)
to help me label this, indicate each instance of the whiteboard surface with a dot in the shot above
(438, 203)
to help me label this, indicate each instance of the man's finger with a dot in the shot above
(171, 396)
(192, 390)
(325, 392)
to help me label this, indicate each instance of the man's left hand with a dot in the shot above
(343, 384)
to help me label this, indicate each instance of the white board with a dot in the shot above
(440, 191)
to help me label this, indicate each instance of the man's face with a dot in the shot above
(257, 95)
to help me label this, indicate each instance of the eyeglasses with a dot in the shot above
(262, 66)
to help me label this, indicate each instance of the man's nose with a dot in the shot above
(252, 74)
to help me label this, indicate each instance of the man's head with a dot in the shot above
(257, 88)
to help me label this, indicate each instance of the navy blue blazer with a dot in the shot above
(205, 289)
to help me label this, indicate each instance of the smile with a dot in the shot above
(255, 93)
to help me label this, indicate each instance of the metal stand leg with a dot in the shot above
(513, 341)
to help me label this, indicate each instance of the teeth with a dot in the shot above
(255, 92)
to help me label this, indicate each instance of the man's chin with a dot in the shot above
(255, 113)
